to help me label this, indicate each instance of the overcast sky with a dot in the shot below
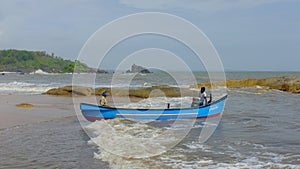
(254, 35)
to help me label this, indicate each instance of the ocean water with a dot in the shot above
(259, 129)
(38, 83)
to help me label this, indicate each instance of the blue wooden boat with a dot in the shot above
(95, 112)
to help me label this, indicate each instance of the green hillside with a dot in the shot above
(29, 61)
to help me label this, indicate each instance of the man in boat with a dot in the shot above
(103, 101)
(202, 99)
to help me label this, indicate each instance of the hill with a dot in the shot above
(28, 61)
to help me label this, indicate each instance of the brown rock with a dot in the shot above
(25, 105)
(154, 91)
(285, 83)
(71, 91)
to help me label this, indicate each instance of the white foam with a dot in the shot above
(24, 87)
(28, 89)
(195, 145)
(39, 71)
(127, 138)
(16, 83)
(5, 72)
(250, 162)
(125, 143)
(187, 155)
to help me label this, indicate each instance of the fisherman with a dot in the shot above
(203, 97)
(103, 101)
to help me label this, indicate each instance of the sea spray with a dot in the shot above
(132, 139)
(125, 142)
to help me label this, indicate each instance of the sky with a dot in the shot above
(249, 35)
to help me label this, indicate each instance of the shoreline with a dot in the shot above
(43, 108)
(289, 84)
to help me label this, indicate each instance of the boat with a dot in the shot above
(95, 112)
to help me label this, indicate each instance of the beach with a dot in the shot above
(47, 135)
(259, 129)
(44, 108)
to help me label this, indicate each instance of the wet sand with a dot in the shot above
(44, 108)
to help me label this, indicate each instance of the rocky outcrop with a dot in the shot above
(138, 69)
(285, 83)
(71, 91)
(24, 105)
(154, 91)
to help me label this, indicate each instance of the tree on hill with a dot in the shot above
(28, 61)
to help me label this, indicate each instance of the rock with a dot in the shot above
(25, 105)
(71, 91)
(138, 69)
(154, 91)
(285, 83)
(101, 71)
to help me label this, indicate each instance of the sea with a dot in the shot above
(258, 129)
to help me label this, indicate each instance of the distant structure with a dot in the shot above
(138, 69)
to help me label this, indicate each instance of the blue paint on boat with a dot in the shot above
(95, 112)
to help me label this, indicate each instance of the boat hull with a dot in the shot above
(95, 112)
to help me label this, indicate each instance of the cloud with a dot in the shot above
(55, 26)
(198, 5)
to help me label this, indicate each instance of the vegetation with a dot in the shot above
(29, 61)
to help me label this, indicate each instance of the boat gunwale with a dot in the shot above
(144, 109)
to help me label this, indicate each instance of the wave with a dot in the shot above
(188, 154)
(6, 72)
(16, 83)
(26, 90)
(25, 87)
